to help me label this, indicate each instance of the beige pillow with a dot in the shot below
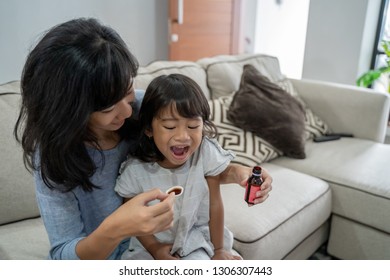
(224, 71)
(191, 69)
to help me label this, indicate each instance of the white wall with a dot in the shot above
(248, 26)
(281, 32)
(328, 40)
(338, 44)
(340, 39)
(142, 24)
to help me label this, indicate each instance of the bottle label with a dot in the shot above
(250, 192)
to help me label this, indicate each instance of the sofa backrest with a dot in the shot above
(224, 71)
(217, 76)
(17, 191)
(17, 188)
(191, 69)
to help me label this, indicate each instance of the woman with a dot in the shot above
(75, 130)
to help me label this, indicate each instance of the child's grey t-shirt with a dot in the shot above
(190, 230)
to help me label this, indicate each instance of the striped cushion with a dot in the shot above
(250, 149)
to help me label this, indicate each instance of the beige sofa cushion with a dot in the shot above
(147, 73)
(350, 241)
(17, 191)
(297, 206)
(224, 71)
(357, 171)
(24, 240)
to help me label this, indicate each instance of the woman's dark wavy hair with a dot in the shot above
(176, 91)
(78, 67)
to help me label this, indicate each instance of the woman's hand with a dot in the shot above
(266, 186)
(133, 218)
(239, 174)
(136, 218)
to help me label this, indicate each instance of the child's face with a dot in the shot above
(176, 137)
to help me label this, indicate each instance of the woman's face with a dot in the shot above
(112, 118)
(176, 137)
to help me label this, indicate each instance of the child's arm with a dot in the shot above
(159, 251)
(216, 213)
(216, 223)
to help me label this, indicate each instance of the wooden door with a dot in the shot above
(203, 28)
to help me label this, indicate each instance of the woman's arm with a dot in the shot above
(239, 174)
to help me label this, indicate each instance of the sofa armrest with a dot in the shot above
(349, 109)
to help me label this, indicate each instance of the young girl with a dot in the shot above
(177, 148)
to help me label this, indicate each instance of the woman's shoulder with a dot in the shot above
(126, 145)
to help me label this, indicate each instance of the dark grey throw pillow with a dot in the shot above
(270, 112)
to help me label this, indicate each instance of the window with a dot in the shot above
(382, 33)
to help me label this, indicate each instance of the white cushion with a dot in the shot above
(224, 71)
(350, 241)
(147, 73)
(17, 188)
(24, 240)
(358, 172)
(297, 206)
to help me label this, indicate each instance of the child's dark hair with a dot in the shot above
(78, 67)
(168, 90)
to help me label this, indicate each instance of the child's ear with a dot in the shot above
(148, 133)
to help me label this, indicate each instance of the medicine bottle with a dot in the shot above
(253, 185)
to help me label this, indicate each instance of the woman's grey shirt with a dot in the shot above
(71, 216)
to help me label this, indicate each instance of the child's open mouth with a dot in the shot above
(179, 151)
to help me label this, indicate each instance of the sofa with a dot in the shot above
(336, 196)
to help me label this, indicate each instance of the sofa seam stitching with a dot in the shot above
(171, 67)
(355, 189)
(360, 223)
